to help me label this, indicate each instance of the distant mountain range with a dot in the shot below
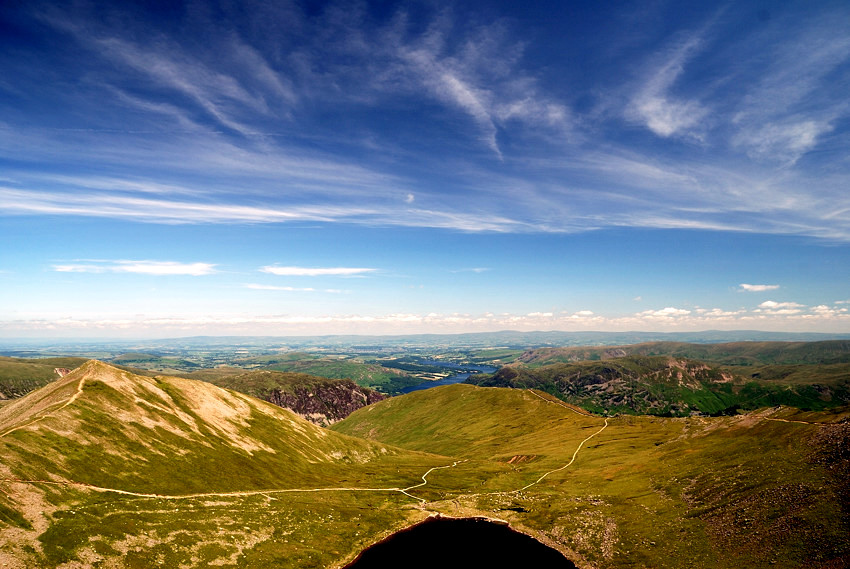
(34, 346)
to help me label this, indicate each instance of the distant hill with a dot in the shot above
(319, 400)
(638, 379)
(153, 362)
(374, 376)
(734, 353)
(19, 376)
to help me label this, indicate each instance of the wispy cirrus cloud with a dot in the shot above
(744, 287)
(655, 105)
(224, 135)
(158, 268)
(316, 271)
(790, 107)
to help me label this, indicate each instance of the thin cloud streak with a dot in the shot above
(158, 268)
(316, 271)
(757, 287)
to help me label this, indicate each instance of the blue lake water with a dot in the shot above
(462, 373)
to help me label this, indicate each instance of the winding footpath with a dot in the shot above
(580, 445)
(232, 494)
(70, 400)
(425, 481)
(406, 491)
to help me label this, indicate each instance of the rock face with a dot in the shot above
(327, 403)
(320, 400)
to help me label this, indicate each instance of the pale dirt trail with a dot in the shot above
(79, 392)
(425, 481)
(575, 454)
(791, 421)
(201, 494)
(404, 491)
(70, 400)
(231, 494)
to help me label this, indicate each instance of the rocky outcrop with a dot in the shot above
(327, 403)
(320, 400)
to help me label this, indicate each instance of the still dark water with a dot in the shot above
(442, 543)
(462, 372)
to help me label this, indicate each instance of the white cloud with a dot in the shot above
(159, 268)
(655, 105)
(784, 142)
(757, 287)
(315, 271)
(791, 103)
(779, 308)
(771, 304)
(668, 312)
(772, 316)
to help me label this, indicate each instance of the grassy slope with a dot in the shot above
(645, 492)
(19, 376)
(638, 382)
(173, 436)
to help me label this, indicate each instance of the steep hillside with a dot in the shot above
(19, 376)
(656, 385)
(667, 385)
(102, 458)
(105, 468)
(319, 400)
(766, 489)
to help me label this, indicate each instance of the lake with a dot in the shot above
(463, 372)
(468, 543)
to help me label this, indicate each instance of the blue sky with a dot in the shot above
(173, 168)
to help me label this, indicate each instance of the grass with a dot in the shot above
(19, 376)
(662, 385)
(367, 375)
(657, 492)
(672, 491)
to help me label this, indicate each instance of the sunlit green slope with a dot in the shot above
(103, 458)
(748, 491)
(105, 468)
(19, 376)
